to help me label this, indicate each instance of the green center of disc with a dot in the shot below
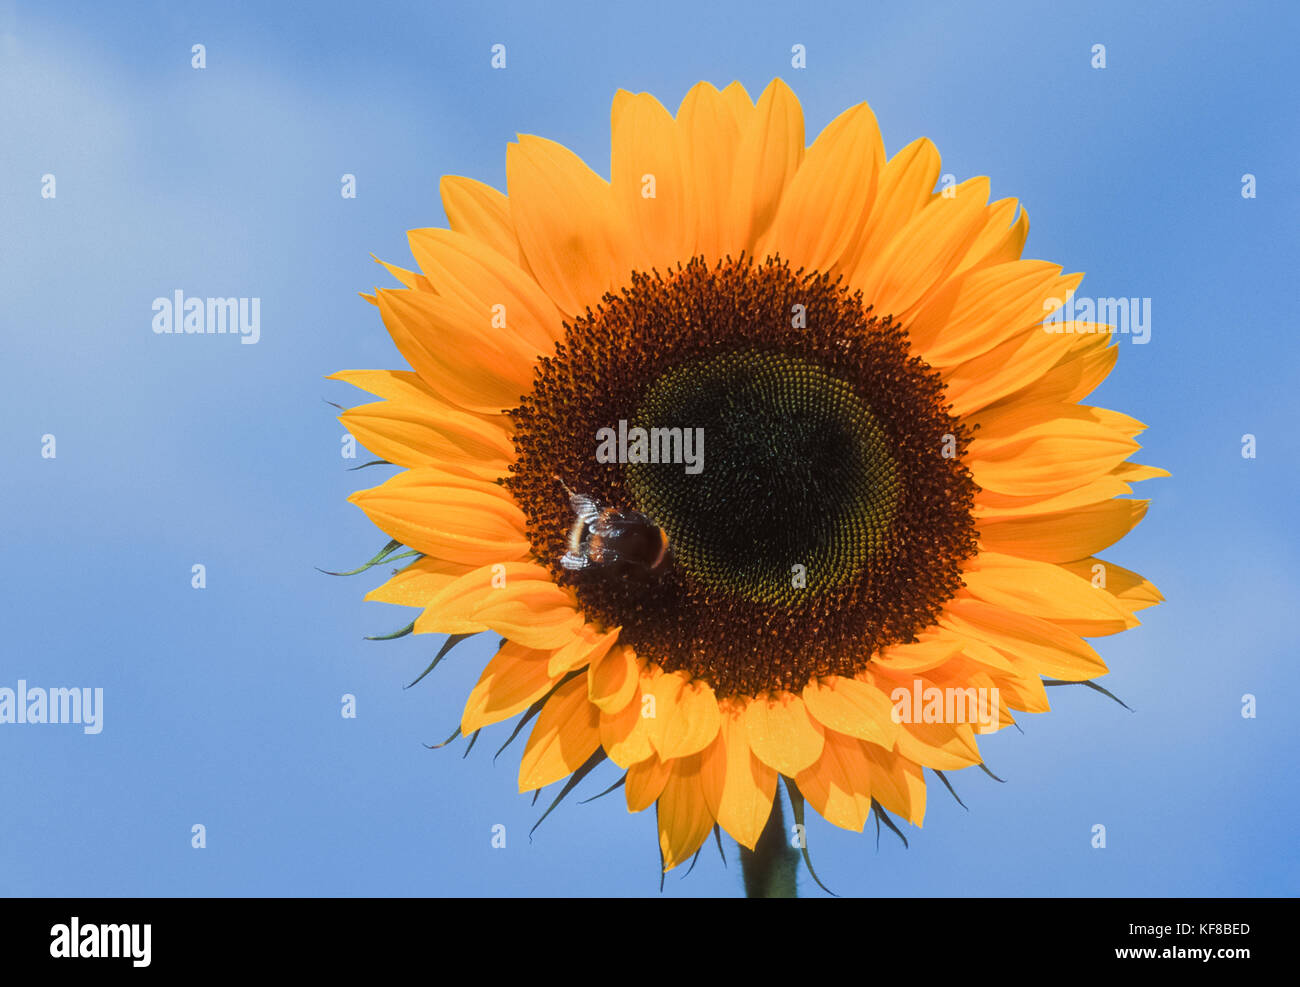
(795, 489)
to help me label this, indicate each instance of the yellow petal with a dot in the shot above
(928, 652)
(782, 734)
(566, 734)
(410, 279)
(451, 348)
(738, 787)
(710, 125)
(650, 156)
(1039, 589)
(516, 599)
(1047, 457)
(612, 679)
(906, 185)
(838, 786)
(512, 681)
(1063, 536)
(479, 211)
(587, 648)
(770, 151)
(1130, 590)
(999, 240)
(1047, 648)
(430, 433)
(994, 506)
(1136, 472)
(447, 516)
(569, 229)
(691, 722)
(645, 780)
(419, 582)
(923, 254)
(661, 690)
(984, 307)
(508, 300)
(625, 734)
(1085, 362)
(946, 746)
(897, 783)
(852, 707)
(684, 818)
(1003, 370)
(827, 203)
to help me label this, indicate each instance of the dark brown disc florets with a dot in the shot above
(825, 512)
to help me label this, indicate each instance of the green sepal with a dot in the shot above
(880, 812)
(394, 635)
(951, 791)
(577, 776)
(447, 645)
(1093, 686)
(379, 559)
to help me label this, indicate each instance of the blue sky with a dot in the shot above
(222, 706)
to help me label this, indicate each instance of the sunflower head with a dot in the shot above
(758, 457)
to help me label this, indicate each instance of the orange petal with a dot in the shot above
(738, 787)
(826, 204)
(570, 231)
(650, 154)
(612, 679)
(923, 254)
(452, 517)
(684, 817)
(852, 707)
(566, 734)
(506, 297)
(479, 211)
(710, 125)
(645, 780)
(625, 734)
(897, 783)
(770, 151)
(512, 681)
(1063, 536)
(782, 734)
(838, 786)
(691, 722)
(1039, 589)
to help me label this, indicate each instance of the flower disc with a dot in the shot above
(827, 513)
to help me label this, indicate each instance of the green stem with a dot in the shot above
(770, 869)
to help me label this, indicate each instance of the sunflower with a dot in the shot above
(895, 494)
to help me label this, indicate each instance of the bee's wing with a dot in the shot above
(574, 562)
(586, 509)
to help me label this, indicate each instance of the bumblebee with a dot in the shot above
(613, 540)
